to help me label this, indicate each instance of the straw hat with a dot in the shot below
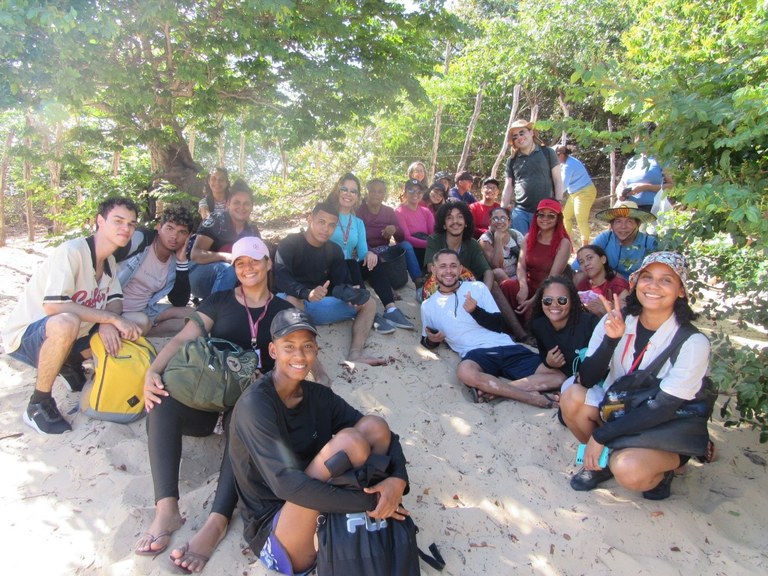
(625, 209)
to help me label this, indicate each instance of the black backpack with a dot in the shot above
(355, 543)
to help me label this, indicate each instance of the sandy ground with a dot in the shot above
(489, 483)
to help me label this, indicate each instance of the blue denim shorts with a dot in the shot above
(329, 310)
(33, 338)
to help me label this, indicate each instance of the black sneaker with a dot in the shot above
(585, 480)
(46, 418)
(74, 376)
(663, 489)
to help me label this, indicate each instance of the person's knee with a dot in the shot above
(572, 401)
(352, 442)
(375, 430)
(466, 372)
(62, 327)
(368, 308)
(630, 470)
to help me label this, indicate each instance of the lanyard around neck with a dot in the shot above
(254, 326)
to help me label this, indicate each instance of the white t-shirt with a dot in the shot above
(68, 275)
(149, 278)
(445, 312)
(683, 379)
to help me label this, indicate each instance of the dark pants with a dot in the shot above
(166, 424)
(377, 278)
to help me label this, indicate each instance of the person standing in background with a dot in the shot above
(581, 193)
(533, 175)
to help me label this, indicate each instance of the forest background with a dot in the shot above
(143, 98)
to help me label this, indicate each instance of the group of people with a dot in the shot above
(491, 283)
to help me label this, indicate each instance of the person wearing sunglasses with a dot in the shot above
(559, 324)
(481, 211)
(544, 253)
(416, 221)
(533, 174)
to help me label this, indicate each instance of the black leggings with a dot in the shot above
(166, 423)
(377, 278)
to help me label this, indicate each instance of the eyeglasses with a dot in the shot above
(520, 134)
(348, 190)
(549, 300)
(499, 219)
(546, 215)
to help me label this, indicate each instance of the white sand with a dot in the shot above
(489, 483)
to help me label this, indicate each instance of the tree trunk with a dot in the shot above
(566, 114)
(54, 171)
(241, 155)
(505, 143)
(116, 155)
(192, 140)
(4, 163)
(439, 118)
(471, 130)
(173, 162)
(27, 176)
(612, 157)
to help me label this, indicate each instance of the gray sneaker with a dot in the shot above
(381, 325)
(397, 318)
(46, 418)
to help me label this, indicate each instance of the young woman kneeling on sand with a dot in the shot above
(630, 339)
(288, 438)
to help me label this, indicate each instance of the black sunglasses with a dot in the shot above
(549, 300)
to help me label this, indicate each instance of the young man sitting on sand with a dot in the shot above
(464, 315)
(75, 289)
(312, 274)
(154, 265)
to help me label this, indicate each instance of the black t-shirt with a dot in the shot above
(570, 339)
(221, 229)
(301, 267)
(231, 323)
(270, 446)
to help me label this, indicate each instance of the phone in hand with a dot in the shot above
(603, 462)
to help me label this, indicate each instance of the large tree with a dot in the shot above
(298, 69)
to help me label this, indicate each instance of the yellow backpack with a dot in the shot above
(117, 391)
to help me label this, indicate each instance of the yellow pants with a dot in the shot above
(579, 204)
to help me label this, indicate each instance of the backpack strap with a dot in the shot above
(435, 559)
(683, 333)
(195, 317)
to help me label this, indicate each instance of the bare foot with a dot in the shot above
(483, 397)
(552, 400)
(322, 379)
(357, 356)
(157, 537)
(194, 555)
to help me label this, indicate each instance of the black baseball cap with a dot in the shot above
(291, 320)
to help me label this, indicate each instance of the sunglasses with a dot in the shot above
(549, 300)
(546, 215)
(520, 134)
(413, 191)
(348, 190)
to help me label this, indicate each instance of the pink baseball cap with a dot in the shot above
(250, 246)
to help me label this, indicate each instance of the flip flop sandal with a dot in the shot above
(186, 554)
(553, 398)
(473, 393)
(152, 540)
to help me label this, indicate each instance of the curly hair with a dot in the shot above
(442, 215)
(684, 314)
(610, 273)
(178, 215)
(573, 297)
